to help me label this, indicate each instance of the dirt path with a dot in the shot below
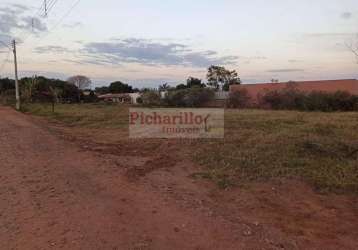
(54, 194)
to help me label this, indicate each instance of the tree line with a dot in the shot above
(217, 78)
(43, 89)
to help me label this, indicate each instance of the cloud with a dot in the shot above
(15, 17)
(73, 25)
(294, 61)
(19, 7)
(51, 49)
(249, 59)
(346, 15)
(329, 35)
(285, 70)
(117, 52)
(148, 52)
(5, 39)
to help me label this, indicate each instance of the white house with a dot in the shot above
(130, 98)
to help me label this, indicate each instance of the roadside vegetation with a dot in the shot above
(317, 147)
(77, 89)
(291, 98)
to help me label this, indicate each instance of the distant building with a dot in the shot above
(128, 98)
(257, 90)
(86, 92)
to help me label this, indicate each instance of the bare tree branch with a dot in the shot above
(353, 47)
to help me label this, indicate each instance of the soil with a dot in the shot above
(60, 192)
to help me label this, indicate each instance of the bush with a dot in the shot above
(343, 101)
(290, 98)
(90, 98)
(317, 101)
(139, 100)
(191, 97)
(7, 97)
(239, 99)
(176, 98)
(197, 96)
(151, 98)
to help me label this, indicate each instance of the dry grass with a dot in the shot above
(261, 145)
(319, 148)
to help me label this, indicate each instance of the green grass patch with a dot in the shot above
(259, 145)
(83, 115)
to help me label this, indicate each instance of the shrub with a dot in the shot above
(90, 98)
(196, 96)
(190, 97)
(175, 98)
(139, 100)
(344, 101)
(290, 98)
(151, 98)
(317, 101)
(239, 99)
(7, 97)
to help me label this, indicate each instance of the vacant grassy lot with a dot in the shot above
(320, 148)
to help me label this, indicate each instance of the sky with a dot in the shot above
(150, 42)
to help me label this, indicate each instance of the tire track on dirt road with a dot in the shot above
(56, 195)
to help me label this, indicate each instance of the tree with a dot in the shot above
(28, 86)
(220, 77)
(143, 90)
(81, 82)
(194, 82)
(120, 88)
(102, 90)
(353, 47)
(6, 84)
(191, 82)
(181, 86)
(55, 94)
(38, 89)
(164, 87)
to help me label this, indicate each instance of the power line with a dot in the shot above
(7, 45)
(65, 15)
(38, 13)
(51, 5)
(42, 12)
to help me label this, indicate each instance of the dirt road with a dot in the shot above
(55, 194)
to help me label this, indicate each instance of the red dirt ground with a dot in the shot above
(56, 193)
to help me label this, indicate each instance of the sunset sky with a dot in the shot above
(150, 42)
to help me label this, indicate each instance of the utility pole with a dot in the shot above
(18, 104)
(45, 3)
